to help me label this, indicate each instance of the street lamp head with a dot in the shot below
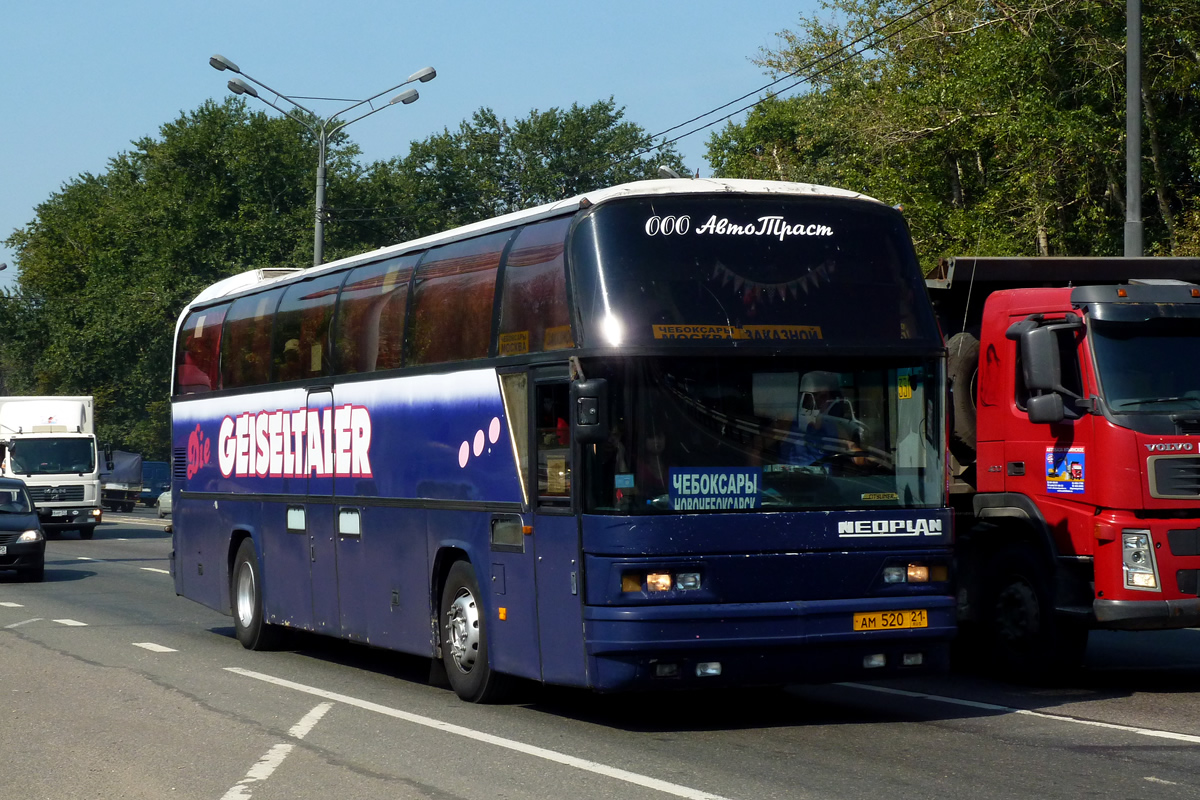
(220, 62)
(423, 75)
(406, 97)
(239, 86)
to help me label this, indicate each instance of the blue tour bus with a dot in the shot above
(667, 434)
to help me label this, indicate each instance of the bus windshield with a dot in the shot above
(52, 456)
(1152, 366)
(745, 270)
(692, 435)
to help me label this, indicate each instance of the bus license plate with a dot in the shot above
(891, 620)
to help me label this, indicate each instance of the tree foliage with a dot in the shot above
(1000, 127)
(110, 260)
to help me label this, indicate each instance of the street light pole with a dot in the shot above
(324, 130)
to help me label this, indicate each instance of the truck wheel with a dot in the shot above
(963, 369)
(1024, 637)
(465, 640)
(246, 598)
(87, 531)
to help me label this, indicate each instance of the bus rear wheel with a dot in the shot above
(465, 640)
(246, 598)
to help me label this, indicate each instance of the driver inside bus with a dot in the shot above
(824, 419)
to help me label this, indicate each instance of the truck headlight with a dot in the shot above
(30, 536)
(1137, 556)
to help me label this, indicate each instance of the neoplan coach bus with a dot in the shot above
(667, 434)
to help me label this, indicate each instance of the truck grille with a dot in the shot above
(1174, 476)
(56, 494)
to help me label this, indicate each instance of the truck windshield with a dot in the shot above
(732, 434)
(53, 455)
(1151, 366)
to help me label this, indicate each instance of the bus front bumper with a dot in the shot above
(691, 646)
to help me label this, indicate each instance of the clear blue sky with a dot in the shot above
(82, 79)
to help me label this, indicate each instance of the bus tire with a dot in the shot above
(465, 638)
(246, 599)
(87, 531)
(963, 369)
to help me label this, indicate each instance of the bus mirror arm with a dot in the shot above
(589, 399)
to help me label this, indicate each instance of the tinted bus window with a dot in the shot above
(246, 343)
(452, 301)
(198, 356)
(703, 270)
(301, 339)
(533, 305)
(369, 331)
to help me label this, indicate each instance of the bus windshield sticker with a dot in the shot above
(514, 344)
(744, 332)
(1064, 470)
(715, 488)
(559, 338)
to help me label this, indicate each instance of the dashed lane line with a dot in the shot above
(74, 623)
(498, 741)
(156, 569)
(267, 765)
(155, 648)
(8, 604)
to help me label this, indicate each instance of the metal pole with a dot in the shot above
(1133, 128)
(319, 228)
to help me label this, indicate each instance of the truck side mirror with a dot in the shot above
(1045, 409)
(1039, 360)
(589, 401)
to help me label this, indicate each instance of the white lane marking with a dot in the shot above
(156, 569)
(7, 604)
(84, 558)
(1179, 737)
(259, 772)
(155, 648)
(487, 738)
(301, 728)
(275, 756)
(71, 622)
(1153, 779)
(23, 622)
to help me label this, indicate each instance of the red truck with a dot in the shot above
(1075, 450)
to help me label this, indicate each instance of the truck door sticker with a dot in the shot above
(1065, 473)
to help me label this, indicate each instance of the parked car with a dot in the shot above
(164, 505)
(22, 543)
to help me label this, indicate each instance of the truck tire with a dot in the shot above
(1023, 636)
(963, 368)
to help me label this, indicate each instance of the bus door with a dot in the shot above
(321, 520)
(556, 530)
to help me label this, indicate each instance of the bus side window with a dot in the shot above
(369, 331)
(453, 294)
(246, 343)
(301, 348)
(533, 306)
(554, 443)
(198, 357)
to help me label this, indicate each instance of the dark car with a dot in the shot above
(22, 545)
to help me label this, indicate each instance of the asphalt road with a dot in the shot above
(115, 688)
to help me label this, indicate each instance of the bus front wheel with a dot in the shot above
(465, 639)
(247, 600)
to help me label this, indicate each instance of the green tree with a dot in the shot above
(999, 127)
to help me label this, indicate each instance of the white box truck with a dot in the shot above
(50, 443)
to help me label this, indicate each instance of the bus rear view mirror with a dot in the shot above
(589, 399)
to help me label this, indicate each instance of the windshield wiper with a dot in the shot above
(1152, 400)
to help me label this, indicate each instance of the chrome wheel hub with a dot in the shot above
(463, 630)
